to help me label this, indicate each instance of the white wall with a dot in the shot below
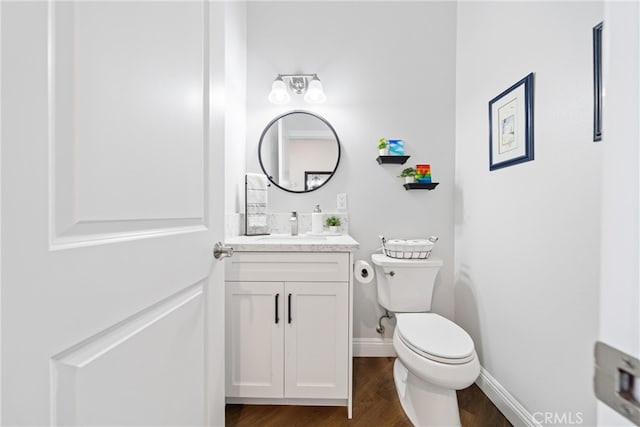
(619, 293)
(235, 98)
(388, 69)
(527, 236)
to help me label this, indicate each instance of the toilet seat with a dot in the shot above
(435, 338)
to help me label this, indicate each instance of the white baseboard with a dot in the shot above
(373, 347)
(504, 401)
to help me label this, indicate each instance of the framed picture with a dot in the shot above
(511, 125)
(315, 179)
(597, 82)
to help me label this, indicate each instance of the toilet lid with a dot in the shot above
(435, 337)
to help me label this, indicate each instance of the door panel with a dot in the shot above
(110, 297)
(127, 117)
(107, 379)
(316, 340)
(254, 340)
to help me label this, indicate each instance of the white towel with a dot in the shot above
(256, 181)
(256, 204)
(257, 197)
(256, 189)
(256, 210)
(257, 221)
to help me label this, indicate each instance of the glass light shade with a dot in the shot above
(279, 94)
(315, 94)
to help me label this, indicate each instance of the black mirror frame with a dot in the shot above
(266, 129)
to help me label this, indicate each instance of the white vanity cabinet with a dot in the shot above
(288, 328)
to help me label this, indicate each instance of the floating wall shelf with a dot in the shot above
(421, 185)
(397, 160)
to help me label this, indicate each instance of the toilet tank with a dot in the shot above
(405, 285)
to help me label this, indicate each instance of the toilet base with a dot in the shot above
(425, 404)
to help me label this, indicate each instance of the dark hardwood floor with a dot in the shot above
(375, 404)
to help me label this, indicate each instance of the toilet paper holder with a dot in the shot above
(363, 272)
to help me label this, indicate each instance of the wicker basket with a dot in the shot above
(408, 249)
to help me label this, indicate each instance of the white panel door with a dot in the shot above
(316, 340)
(112, 306)
(254, 343)
(620, 255)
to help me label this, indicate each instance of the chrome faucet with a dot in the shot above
(294, 223)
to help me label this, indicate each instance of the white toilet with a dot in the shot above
(436, 357)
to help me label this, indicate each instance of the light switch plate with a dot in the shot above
(341, 201)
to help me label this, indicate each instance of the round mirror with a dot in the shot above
(299, 151)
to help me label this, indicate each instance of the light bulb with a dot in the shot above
(315, 94)
(279, 94)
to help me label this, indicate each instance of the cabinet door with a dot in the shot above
(254, 339)
(316, 340)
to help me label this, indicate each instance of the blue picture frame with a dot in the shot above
(597, 82)
(511, 125)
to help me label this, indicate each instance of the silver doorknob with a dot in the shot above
(220, 251)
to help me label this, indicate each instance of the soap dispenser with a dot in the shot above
(316, 220)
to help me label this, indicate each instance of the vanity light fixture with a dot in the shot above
(307, 84)
(279, 94)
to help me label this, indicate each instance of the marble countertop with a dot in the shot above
(288, 243)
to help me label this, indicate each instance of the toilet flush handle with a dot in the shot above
(390, 273)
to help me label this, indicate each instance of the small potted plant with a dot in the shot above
(333, 222)
(409, 175)
(383, 147)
